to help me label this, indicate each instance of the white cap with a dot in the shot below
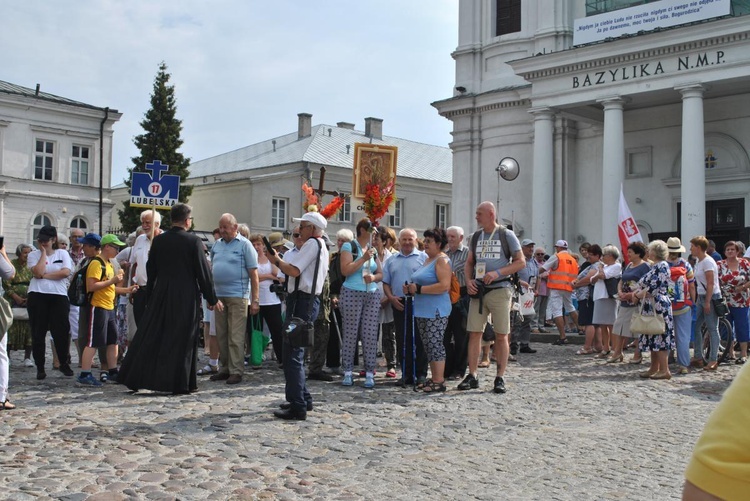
(561, 243)
(313, 217)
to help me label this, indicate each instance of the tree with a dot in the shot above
(160, 141)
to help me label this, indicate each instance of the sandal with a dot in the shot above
(208, 370)
(422, 384)
(561, 341)
(431, 386)
(390, 373)
(483, 364)
(585, 352)
(7, 406)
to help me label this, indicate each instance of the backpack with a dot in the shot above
(77, 293)
(455, 290)
(677, 288)
(335, 277)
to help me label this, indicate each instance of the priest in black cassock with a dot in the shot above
(162, 355)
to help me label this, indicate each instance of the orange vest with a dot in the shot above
(561, 278)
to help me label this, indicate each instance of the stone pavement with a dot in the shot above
(569, 428)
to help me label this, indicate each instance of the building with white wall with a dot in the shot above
(55, 163)
(261, 184)
(662, 109)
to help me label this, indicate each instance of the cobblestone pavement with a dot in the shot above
(569, 427)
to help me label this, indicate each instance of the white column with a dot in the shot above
(613, 167)
(693, 172)
(543, 185)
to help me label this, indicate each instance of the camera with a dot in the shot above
(278, 288)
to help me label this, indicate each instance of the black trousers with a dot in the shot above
(49, 312)
(405, 334)
(456, 341)
(139, 304)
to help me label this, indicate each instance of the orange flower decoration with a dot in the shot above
(377, 200)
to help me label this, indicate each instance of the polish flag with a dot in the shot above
(626, 227)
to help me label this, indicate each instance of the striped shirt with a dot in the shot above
(458, 260)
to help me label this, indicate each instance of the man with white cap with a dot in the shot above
(302, 292)
(560, 271)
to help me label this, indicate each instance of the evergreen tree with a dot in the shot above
(160, 141)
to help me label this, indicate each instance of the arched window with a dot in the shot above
(78, 222)
(39, 221)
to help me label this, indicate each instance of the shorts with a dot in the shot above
(557, 301)
(585, 312)
(497, 302)
(98, 327)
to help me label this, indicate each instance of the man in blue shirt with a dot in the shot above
(396, 271)
(235, 269)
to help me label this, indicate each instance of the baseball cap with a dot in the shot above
(561, 243)
(527, 241)
(91, 239)
(110, 239)
(313, 217)
(46, 233)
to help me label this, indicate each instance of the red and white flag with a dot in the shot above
(626, 227)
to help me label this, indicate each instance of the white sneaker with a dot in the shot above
(27, 362)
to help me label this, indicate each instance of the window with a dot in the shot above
(394, 219)
(278, 214)
(78, 222)
(79, 165)
(43, 160)
(441, 215)
(345, 214)
(508, 17)
(39, 221)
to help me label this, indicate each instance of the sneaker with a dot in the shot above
(320, 376)
(112, 379)
(683, 370)
(513, 348)
(512, 358)
(561, 341)
(27, 362)
(40, 374)
(499, 386)
(103, 377)
(469, 383)
(348, 380)
(369, 382)
(525, 348)
(89, 380)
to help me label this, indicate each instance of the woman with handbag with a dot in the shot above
(583, 290)
(634, 271)
(270, 302)
(734, 278)
(652, 288)
(605, 288)
(707, 282)
(17, 292)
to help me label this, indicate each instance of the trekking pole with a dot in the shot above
(338, 333)
(413, 346)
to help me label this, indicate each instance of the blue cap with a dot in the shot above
(91, 239)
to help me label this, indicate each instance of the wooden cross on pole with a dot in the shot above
(320, 191)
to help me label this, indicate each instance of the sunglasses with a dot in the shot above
(539, 254)
(295, 235)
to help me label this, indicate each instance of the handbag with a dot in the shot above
(20, 313)
(611, 285)
(649, 325)
(299, 332)
(720, 306)
(258, 341)
(6, 317)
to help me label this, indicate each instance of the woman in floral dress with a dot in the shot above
(734, 279)
(655, 283)
(16, 292)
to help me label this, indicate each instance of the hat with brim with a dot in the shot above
(315, 218)
(91, 239)
(675, 246)
(110, 239)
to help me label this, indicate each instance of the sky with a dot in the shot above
(242, 69)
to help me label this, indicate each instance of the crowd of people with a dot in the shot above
(434, 305)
